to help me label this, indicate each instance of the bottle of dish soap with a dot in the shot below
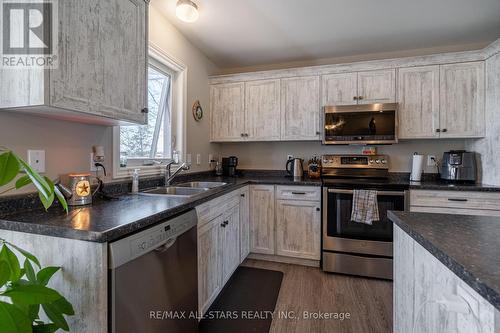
(135, 181)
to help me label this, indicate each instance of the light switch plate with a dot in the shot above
(36, 159)
(188, 158)
(431, 160)
(198, 159)
(92, 163)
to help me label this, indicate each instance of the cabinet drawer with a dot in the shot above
(308, 193)
(209, 210)
(456, 199)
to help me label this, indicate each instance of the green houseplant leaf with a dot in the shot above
(13, 320)
(45, 274)
(9, 167)
(26, 254)
(55, 315)
(32, 294)
(10, 258)
(4, 272)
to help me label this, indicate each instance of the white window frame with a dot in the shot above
(178, 114)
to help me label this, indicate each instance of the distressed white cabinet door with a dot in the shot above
(102, 59)
(377, 86)
(77, 83)
(244, 223)
(339, 89)
(300, 108)
(262, 219)
(230, 244)
(462, 94)
(209, 266)
(418, 98)
(262, 110)
(227, 112)
(123, 41)
(298, 229)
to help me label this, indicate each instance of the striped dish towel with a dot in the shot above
(364, 206)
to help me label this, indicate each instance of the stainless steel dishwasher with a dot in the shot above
(154, 278)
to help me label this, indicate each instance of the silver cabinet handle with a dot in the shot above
(386, 193)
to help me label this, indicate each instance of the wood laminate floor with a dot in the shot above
(308, 289)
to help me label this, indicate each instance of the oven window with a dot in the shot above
(339, 222)
(368, 124)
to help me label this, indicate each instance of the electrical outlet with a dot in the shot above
(210, 158)
(431, 160)
(198, 159)
(188, 159)
(289, 157)
(36, 159)
(92, 163)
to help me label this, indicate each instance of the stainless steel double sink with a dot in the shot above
(188, 189)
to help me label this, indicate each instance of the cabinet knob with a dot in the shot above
(242, 194)
(242, 134)
(145, 110)
(360, 97)
(445, 130)
(317, 209)
(355, 98)
(318, 133)
(438, 130)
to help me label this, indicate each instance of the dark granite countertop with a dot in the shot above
(445, 186)
(468, 245)
(106, 221)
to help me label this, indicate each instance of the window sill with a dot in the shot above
(143, 171)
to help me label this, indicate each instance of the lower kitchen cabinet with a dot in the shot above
(421, 281)
(209, 248)
(219, 251)
(455, 202)
(230, 243)
(298, 229)
(262, 219)
(244, 223)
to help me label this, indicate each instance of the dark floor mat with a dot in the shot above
(245, 304)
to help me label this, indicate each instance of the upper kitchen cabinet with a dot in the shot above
(359, 88)
(101, 74)
(262, 110)
(462, 97)
(339, 89)
(418, 98)
(377, 86)
(227, 105)
(300, 108)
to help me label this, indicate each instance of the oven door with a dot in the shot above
(340, 234)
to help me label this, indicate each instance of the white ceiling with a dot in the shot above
(237, 33)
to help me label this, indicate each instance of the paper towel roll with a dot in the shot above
(416, 168)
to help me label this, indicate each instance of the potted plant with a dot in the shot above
(23, 289)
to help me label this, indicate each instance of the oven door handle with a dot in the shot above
(386, 193)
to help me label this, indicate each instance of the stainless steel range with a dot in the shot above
(350, 247)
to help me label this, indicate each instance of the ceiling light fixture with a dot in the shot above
(187, 11)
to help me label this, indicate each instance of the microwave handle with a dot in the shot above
(386, 193)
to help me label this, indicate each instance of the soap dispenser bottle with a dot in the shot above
(135, 181)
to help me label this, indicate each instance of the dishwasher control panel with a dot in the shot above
(129, 248)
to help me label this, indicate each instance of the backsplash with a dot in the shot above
(273, 155)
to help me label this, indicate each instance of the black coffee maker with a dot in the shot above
(229, 165)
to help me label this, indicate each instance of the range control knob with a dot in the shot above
(377, 161)
(370, 161)
(384, 161)
(142, 246)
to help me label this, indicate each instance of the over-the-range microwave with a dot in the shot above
(360, 124)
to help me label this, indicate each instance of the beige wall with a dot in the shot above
(267, 155)
(68, 145)
(164, 35)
